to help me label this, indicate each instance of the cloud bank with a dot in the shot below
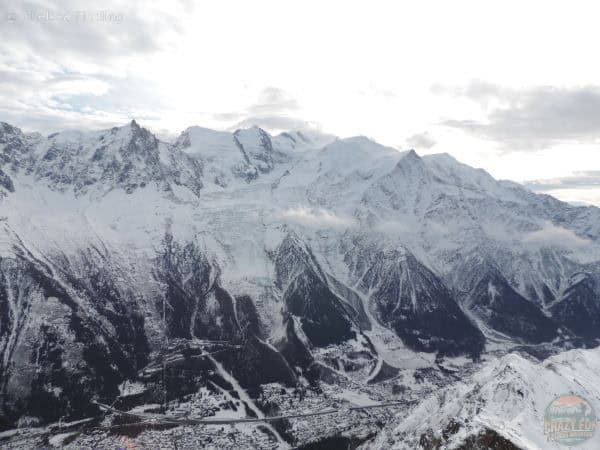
(580, 179)
(533, 118)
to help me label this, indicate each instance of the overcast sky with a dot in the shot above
(513, 88)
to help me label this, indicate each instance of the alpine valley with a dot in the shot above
(148, 285)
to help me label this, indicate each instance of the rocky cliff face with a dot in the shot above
(309, 294)
(578, 307)
(414, 302)
(67, 336)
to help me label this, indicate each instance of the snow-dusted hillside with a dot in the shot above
(299, 259)
(501, 406)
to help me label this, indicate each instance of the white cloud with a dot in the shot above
(401, 226)
(315, 218)
(548, 235)
(421, 141)
(553, 235)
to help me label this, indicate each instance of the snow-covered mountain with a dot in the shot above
(502, 406)
(295, 259)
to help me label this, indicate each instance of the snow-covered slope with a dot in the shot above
(501, 406)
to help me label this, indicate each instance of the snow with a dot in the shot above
(508, 395)
(356, 398)
(58, 439)
(131, 388)
(300, 140)
(246, 399)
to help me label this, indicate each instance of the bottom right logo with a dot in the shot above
(570, 420)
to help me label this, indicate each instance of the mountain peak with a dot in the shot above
(411, 155)
(6, 128)
(254, 129)
(411, 163)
